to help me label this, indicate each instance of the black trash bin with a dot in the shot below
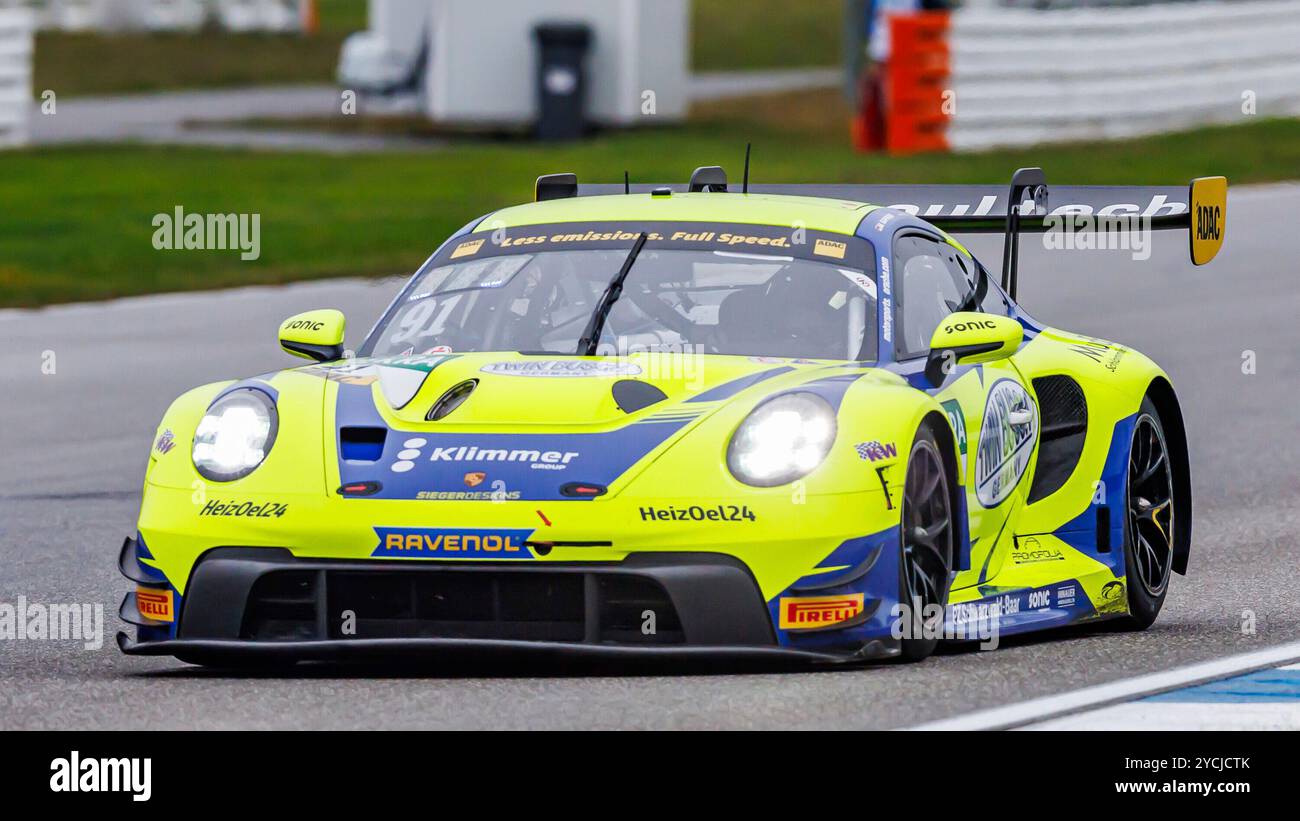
(561, 82)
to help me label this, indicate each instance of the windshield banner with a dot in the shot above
(791, 242)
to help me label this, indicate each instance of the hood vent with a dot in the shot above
(451, 400)
(632, 395)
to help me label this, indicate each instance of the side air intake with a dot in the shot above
(1065, 424)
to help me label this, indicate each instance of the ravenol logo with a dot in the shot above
(451, 543)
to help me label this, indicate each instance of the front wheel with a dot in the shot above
(1149, 519)
(927, 537)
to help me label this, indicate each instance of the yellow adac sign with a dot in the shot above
(1208, 201)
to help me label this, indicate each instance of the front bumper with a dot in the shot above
(265, 603)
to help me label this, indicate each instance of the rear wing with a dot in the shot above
(1028, 204)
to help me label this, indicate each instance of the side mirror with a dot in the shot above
(969, 338)
(314, 335)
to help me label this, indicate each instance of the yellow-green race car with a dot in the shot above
(682, 420)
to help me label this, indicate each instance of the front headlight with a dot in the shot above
(235, 435)
(782, 439)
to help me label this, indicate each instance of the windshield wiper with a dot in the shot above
(591, 336)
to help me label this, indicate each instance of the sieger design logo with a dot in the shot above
(812, 612)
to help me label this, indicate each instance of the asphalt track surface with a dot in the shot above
(73, 446)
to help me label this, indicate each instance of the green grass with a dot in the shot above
(727, 34)
(739, 34)
(83, 64)
(77, 222)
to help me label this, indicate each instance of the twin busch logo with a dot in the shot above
(561, 368)
(812, 612)
(1007, 439)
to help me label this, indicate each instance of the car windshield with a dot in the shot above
(674, 300)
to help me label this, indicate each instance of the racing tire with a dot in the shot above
(1148, 520)
(927, 533)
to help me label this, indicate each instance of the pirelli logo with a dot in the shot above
(830, 248)
(814, 612)
(155, 604)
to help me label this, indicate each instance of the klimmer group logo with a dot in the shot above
(413, 449)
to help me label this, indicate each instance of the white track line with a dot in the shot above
(1038, 709)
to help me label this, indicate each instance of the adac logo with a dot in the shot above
(817, 612)
(875, 451)
(155, 604)
(830, 248)
(451, 543)
(166, 441)
(467, 249)
(474, 478)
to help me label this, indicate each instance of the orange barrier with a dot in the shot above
(917, 75)
(310, 17)
(904, 108)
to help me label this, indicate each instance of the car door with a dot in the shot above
(990, 406)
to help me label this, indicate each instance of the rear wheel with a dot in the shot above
(927, 534)
(1149, 519)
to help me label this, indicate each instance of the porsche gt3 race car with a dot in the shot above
(682, 420)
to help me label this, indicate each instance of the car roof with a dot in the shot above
(815, 213)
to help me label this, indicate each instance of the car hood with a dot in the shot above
(534, 426)
(536, 392)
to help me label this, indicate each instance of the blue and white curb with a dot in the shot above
(1263, 700)
(1252, 691)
